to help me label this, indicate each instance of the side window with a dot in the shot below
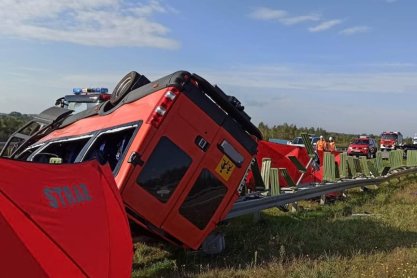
(164, 169)
(68, 150)
(25, 154)
(203, 199)
(110, 147)
(31, 128)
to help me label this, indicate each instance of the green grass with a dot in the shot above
(369, 234)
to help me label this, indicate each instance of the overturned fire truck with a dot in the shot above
(179, 149)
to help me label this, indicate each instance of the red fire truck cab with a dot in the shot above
(391, 140)
(179, 149)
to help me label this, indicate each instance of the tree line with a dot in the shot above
(290, 131)
(9, 123)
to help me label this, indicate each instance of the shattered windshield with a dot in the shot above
(360, 142)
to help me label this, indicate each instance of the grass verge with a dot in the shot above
(368, 234)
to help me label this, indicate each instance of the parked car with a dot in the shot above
(298, 141)
(363, 146)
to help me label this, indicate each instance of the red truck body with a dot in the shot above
(179, 149)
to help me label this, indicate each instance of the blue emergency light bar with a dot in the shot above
(78, 91)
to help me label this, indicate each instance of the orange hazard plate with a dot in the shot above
(225, 168)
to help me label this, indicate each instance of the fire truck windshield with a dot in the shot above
(389, 136)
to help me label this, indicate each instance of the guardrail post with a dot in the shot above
(364, 166)
(357, 164)
(265, 171)
(290, 185)
(401, 158)
(396, 158)
(372, 167)
(323, 199)
(274, 178)
(411, 158)
(378, 162)
(352, 167)
(293, 207)
(329, 169)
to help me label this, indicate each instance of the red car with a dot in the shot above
(363, 145)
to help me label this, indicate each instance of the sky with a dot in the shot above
(346, 66)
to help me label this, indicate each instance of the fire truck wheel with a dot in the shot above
(123, 87)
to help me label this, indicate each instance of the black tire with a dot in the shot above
(129, 82)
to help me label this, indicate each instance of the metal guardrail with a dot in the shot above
(246, 206)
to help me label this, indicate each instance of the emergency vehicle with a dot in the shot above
(179, 149)
(391, 140)
(83, 99)
(363, 145)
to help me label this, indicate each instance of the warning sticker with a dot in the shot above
(225, 168)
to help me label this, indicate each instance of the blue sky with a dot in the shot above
(345, 66)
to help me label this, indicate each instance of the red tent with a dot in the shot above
(62, 221)
(279, 154)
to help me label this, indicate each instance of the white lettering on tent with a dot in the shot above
(67, 195)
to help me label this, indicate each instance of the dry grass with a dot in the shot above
(369, 234)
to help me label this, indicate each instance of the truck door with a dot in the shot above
(170, 162)
(210, 192)
(190, 170)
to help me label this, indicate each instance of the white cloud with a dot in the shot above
(105, 23)
(263, 13)
(355, 30)
(300, 19)
(282, 16)
(325, 25)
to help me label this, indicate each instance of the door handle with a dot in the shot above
(135, 159)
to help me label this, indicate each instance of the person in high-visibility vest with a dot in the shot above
(331, 146)
(321, 144)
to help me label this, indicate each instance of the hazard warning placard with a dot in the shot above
(225, 168)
